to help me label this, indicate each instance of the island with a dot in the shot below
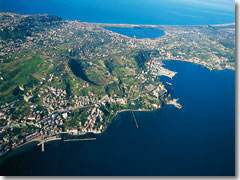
(71, 77)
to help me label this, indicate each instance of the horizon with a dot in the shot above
(130, 11)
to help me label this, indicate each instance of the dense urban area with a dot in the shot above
(71, 77)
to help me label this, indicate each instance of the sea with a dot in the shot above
(197, 140)
(159, 12)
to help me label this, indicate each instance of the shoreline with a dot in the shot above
(44, 14)
(49, 139)
(135, 110)
(210, 69)
(125, 25)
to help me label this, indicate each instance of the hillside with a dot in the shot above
(70, 76)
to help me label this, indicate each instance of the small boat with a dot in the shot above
(169, 83)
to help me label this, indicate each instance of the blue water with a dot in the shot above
(170, 12)
(138, 32)
(196, 140)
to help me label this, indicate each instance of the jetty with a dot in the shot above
(53, 138)
(86, 139)
(42, 146)
(134, 117)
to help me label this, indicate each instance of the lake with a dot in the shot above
(198, 139)
(138, 32)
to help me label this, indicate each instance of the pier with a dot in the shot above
(166, 72)
(87, 139)
(134, 117)
(41, 143)
(42, 146)
(53, 138)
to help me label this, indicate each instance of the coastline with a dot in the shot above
(152, 25)
(123, 110)
(122, 24)
(162, 27)
(116, 125)
(198, 63)
(49, 139)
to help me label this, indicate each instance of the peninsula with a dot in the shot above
(59, 76)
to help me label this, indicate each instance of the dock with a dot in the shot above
(134, 117)
(54, 138)
(42, 146)
(41, 143)
(87, 139)
(166, 72)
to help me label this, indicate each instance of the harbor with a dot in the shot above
(157, 69)
(53, 138)
(166, 72)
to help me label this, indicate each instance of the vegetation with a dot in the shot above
(56, 76)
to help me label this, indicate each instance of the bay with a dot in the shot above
(198, 139)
